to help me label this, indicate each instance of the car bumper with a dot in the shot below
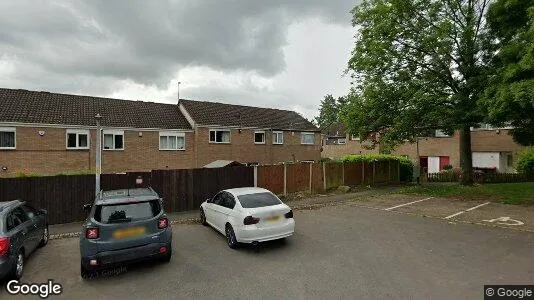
(249, 234)
(120, 257)
(6, 263)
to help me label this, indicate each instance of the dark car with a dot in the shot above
(22, 230)
(124, 226)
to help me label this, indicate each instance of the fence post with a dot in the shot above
(311, 177)
(285, 179)
(374, 170)
(324, 177)
(343, 173)
(255, 176)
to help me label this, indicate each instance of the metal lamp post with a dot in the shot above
(98, 152)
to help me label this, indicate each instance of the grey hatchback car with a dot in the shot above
(124, 226)
(22, 230)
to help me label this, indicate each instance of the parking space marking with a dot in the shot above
(506, 221)
(464, 211)
(401, 205)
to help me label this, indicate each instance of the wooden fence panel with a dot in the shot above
(334, 175)
(353, 173)
(298, 177)
(124, 180)
(271, 178)
(317, 179)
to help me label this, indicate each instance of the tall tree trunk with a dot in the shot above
(466, 156)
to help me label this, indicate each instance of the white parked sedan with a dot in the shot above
(248, 215)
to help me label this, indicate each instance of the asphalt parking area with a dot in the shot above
(455, 210)
(339, 251)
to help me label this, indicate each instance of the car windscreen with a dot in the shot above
(258, 200)
(127, 212)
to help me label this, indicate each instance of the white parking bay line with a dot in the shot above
(463, 211)
(401, 205)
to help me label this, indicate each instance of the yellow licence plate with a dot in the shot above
(128, 232)
(273, 218)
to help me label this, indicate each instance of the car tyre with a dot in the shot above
(230, 237)
(45, 238)
(203, 217)
(85, 273)
(18, 266)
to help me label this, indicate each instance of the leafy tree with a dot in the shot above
(510, 94)
(329, 111)
(418, 66)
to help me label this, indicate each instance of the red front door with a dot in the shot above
(443, 161)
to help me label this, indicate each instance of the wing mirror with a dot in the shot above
(87, 207)
(209, 200)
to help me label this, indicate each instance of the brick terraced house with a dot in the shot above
(493, 148)
(48, 133)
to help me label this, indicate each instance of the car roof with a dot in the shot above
(247, 190)
(6, 204)
(126, 195)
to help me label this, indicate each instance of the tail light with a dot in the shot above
(92, 233)
(251, 220)
(4, 245)
(289, 214)
(163, 223)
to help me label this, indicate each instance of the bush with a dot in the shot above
(447, 167)
(525, 162)
(406, 165)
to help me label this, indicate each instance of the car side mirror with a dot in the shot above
(209, 200)
(87, 207)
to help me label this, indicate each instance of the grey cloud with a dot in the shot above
(148, 41)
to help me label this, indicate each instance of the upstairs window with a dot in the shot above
(220, 136)
(307, 138)
(341, 141)
(441, 133)
(259, 137)
(7, 138)
(278, 137)
(113, 140)
(77, 139)
(171, 141)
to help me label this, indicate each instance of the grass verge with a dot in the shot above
(508, 193)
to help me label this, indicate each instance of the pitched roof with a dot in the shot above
(52, 108)
(214, 113)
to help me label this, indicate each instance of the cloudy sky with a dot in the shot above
(279, 53)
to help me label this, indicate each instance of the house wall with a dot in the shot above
(47, 154)
(334, 151)
(242, 148)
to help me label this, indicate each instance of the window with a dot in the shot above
(354, 138)
(258, 200)
(220, 136)
(278, 137)
(307, 138)
(30, 211)
(7, 138)
(228, 200)
(218, 199)
(259, 137)
(127, 212)
(113, 140)
(171, 141)
(509, 160)
(341, 141)
(77, 139)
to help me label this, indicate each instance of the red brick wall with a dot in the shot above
(243, 149)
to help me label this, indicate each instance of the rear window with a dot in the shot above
(258, 200)
(127, 212)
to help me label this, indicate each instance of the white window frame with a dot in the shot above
(262, 132)
(78, 132)
(440, 133)
(302, 134)
(215, 142)
(341, 141)
(354, 138)
(168, 134)
(9, 129)
(114, 133)
(275, 139)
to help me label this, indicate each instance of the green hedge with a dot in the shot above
(406, 165)
(525, 162)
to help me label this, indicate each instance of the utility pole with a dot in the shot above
(98, 154)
